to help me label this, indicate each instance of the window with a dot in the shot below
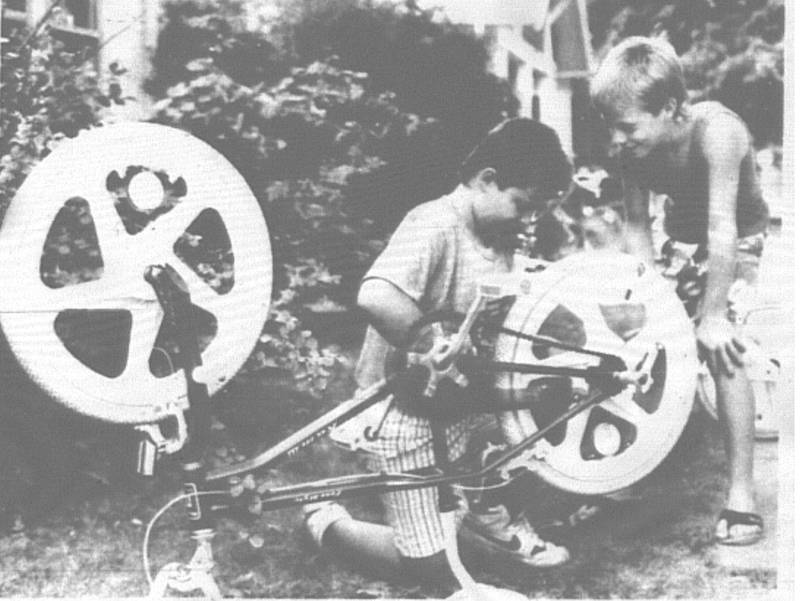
(513, 70)
(15, 10)
(75, 23)
(84, 13)
(15, 15)
(536, 108)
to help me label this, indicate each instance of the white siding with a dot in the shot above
(129, 30)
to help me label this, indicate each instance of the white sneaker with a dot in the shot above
(495, 534)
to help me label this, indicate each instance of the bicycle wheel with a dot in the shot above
(76, 310)
(609, 302)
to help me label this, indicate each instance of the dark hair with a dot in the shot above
(523, 152)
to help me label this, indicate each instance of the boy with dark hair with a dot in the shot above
(434, 262)
(701, 157)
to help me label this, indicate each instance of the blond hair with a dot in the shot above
(642, 70)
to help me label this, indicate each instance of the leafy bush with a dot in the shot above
(437, 69)
(427, 65)
(732, 50)
(212, 28)
(298, 143)
(48, 94)
(338, 149)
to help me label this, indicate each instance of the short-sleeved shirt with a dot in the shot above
(436, 259)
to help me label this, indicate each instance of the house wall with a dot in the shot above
(536, 73)
(555, 104)
(533, 77)
(127, 31)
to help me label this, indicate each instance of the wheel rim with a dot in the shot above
(137, 155)
(581, 300)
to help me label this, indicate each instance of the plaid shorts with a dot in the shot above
(414, 514)
(405, 444)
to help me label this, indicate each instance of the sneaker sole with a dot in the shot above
(500, 548)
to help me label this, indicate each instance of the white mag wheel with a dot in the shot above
(769, 362)
(609, 302)
(76, 310)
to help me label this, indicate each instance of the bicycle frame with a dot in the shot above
(610, 377)
(205, 498)
(349, 486)
(204, 503)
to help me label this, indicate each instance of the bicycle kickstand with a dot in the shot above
(192, 576)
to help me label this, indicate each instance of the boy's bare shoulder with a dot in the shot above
(719, 126)
(716, 116)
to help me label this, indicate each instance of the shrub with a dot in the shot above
(336, 146)
(298, 143)
(48, 94)
(212, 28)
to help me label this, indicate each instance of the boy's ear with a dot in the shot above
(486, 176)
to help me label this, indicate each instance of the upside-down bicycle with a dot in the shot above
(588, 363)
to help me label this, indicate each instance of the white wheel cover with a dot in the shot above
(28, 308)
(581, 284)
(769, 363)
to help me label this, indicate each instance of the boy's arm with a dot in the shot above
(724, 147)
(390, 310)
(638, 237)
(397, 282)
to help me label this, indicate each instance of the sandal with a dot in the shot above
(724, 534)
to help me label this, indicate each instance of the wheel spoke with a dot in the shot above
(96, 294)
(576, 427)
(111, 235)
(202, 294)
(166, 229)
(144, 329)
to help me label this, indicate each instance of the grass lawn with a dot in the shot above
(658, 546)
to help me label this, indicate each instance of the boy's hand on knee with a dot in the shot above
(720, 344)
